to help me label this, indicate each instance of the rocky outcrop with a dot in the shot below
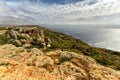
(17, 63)
(27, 36)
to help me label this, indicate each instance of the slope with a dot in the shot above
(33, 36)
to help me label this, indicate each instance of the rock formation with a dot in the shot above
(17, 63)
(26, 36)
(36, 53)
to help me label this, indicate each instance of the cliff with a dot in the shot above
(36, 53)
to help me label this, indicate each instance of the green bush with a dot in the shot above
(63, 59)
(21, 37)
(3, 39)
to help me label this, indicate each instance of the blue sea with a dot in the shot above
(103, 36)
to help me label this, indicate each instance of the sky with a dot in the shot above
(59, 11)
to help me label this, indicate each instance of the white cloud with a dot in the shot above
(80, 12)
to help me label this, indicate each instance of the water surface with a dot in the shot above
(99, 36)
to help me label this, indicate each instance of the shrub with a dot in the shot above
(63, 59)
(4, 63)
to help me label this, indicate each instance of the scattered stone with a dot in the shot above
(17, 43)
(27, 36)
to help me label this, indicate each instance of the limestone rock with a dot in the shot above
(44, 61)
(28, 36)
(17, 63)
(17, 42)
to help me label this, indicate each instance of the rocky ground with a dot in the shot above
(18, 63)
(24, 36)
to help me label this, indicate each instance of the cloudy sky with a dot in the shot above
(59, 11)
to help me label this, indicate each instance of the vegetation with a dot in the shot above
(63, 59)
(67, 43)
(3, 39)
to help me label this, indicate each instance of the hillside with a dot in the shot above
(18, 63)
(46, 40)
